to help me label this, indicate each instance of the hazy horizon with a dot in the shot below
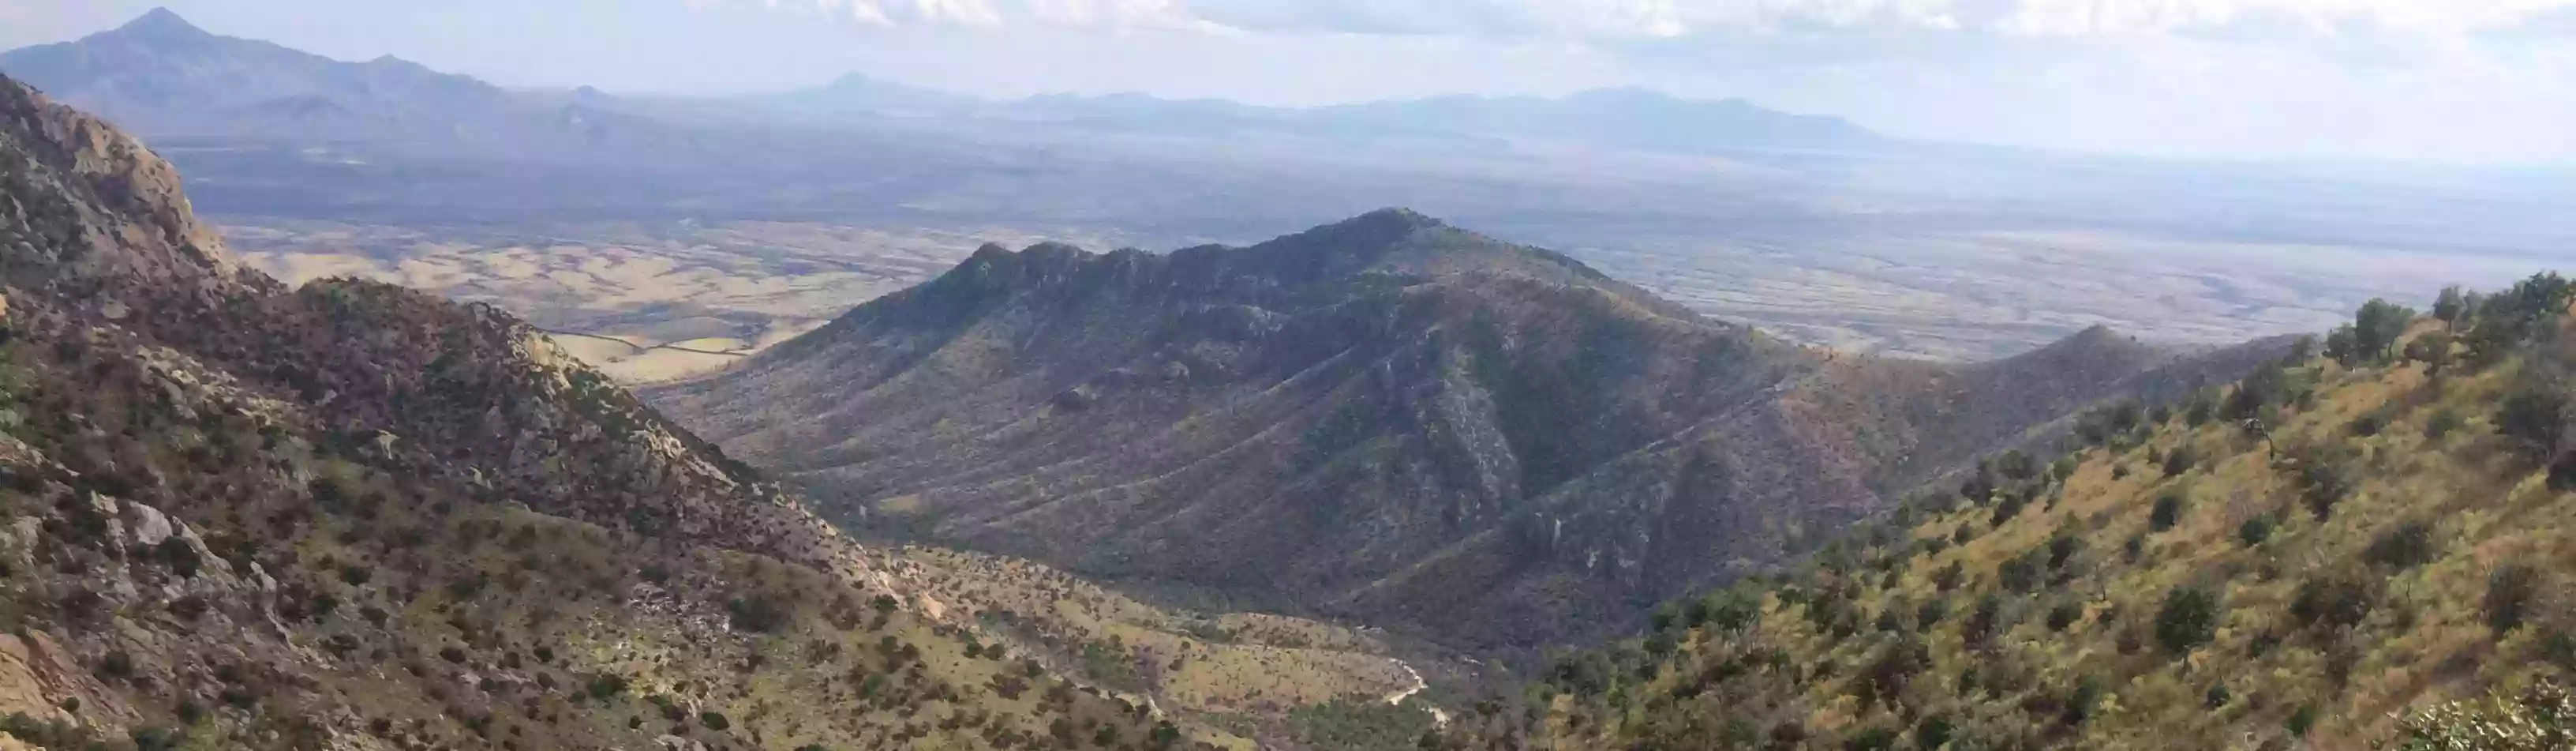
(2483, 81)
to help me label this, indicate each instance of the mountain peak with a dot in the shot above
(1395, 218)
(161, 23)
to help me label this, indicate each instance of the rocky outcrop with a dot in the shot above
(352, 516)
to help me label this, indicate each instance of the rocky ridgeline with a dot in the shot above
(352, 516)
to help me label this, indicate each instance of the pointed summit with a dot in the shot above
(161, 23)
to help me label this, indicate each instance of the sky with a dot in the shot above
(2479, 81)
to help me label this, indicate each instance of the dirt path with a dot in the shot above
(1437, 716)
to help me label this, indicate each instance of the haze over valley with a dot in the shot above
(726, 224)
(1451, 375)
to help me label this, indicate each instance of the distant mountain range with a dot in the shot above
(1626, 118)
(164, 77)
(1388, 418)
(170, 80)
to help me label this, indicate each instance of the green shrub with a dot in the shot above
(2188, 619)
(117, 665)
(1932, 732)
(2403, 547)
(2443, 423)
(715, 721)
(2022, 572)
(1871, 739)
(2080, 703)
(2302, 720)
(1984, 622)
(2255, 531)
(2535, 416)
(2183, 458)
(2510, 592)
(2167, 512)
(757, 614)
(605, 685)
(2062, 548)
(179, 556)
(2326, 478)
(2064, 614)
(2335, 599)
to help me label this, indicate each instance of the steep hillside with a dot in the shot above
(1388, 417)
(2311, 558)
(351, 516)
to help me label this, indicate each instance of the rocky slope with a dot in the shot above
(2340, 552)
(1387, 417)
(234, 515)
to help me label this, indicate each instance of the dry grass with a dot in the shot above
(1260, 665)
(2425, 638)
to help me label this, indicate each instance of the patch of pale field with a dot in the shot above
(720, 288)
(1973, 295)
(1257, 663)
(591, 350)
(662, 365)
(1948, 294)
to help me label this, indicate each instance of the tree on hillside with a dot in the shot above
(2188, 619)
(2534, 415)
(2376, 328)
(2451, 306)
(2508, 319)
(2343, 345)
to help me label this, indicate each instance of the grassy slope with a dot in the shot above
(329, 603)
(1232, 678)
(1841, 653)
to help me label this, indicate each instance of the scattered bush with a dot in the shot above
(757, 614)
(2255, 531)
(605, 685)
(2406, 546)
(2062, 548)
(2433, 350)
(2064, 614)
(2302, 720)
(2443, 423)
(1985, 622)
(177, 554)
(2183, 458)
(2326, 477)
(2535, 417)
(2188, 619)
(2167, 512)
(1871, 739)
(2022, 572)
(2510, 592)
(2337, 599)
